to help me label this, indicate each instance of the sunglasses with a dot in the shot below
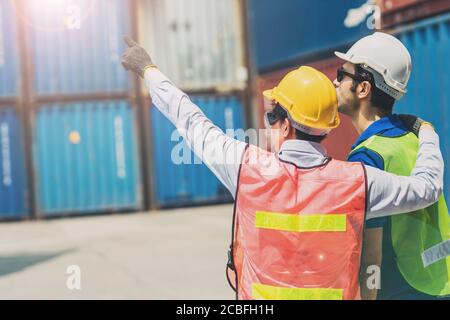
(277, 114)
(341, 74)
(270, 118)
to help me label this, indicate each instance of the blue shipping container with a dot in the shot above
(13, 187)
(178, 183)
(8, 50)
(429, 88)
(77, 45)
(86, 158)
(287, 30)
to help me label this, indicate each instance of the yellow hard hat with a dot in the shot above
(310, 100)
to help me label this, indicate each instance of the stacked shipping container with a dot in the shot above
(78, 105)
(397, 12)
(85, 156)
(198, 45)
(9, 66)
(76, 45)
(85, 153)
(13, 190)
(289, 31)
(82, 104)
(181, 177)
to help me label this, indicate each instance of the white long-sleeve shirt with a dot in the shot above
(387, 194)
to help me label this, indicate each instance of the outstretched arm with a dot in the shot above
(221, 153)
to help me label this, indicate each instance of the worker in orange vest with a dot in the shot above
(299, 215)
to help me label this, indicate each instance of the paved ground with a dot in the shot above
(178, 254)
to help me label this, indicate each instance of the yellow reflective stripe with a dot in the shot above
(263, 292)
(301, 223)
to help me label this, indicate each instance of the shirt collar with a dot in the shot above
(379, 127)
(303, 154)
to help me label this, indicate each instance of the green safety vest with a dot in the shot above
(421, 239)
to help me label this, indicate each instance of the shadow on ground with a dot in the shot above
(20, 262)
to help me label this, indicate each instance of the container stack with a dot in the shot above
(198, 45)
(76, 134)
(78, 137)
(85, 151)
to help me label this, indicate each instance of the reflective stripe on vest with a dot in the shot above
(298, 232)
(420, 239)
(262, 292)
(306, 223)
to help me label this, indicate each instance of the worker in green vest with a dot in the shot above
(412, 249)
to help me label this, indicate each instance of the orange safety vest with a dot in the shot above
(297, 232)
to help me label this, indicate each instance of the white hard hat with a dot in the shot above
(386, 58)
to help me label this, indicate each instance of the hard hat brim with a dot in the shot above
(341, 55)
(268, 94)
(346, 57)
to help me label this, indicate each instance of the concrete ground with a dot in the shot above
(179, 254)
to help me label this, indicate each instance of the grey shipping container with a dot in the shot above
(197, 43)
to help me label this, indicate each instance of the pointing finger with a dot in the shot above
(130, 42)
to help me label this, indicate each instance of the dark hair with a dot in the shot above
(304, 136)
(379, 99)
(282, 114)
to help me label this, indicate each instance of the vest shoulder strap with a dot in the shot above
(391, 149)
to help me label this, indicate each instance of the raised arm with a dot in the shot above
(221, 153)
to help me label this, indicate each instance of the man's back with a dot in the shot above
(406, 271)
(297, 232)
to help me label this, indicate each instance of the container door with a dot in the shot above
(86, 158)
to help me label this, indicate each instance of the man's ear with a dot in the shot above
(286, 128)
(364, 89)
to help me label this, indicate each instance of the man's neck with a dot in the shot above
(363, 120)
